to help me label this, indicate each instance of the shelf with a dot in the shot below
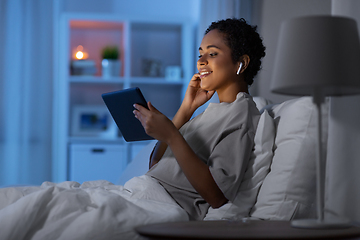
(96, 79)
(150, 50)
(88, 140)
(93, 36)
(161, 49)
(154, 80)
(122, 80)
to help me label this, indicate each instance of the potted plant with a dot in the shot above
(110, 61)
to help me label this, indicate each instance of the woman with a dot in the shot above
(201, 162)
(198, 162)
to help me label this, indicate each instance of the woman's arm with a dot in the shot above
(180, 118)
(167, 132)
(197, 172)
(194, 98)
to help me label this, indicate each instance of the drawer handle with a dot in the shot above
(98, 150)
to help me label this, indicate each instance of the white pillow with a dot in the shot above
(255, 173)
(139, 165)
(289, 190)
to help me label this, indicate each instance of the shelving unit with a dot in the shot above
(166, 43)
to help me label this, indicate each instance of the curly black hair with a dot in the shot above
(242, 38)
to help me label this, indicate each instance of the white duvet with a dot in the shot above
(92, 210)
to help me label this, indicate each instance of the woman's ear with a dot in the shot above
(243, 63)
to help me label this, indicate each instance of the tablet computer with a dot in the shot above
(120, 105)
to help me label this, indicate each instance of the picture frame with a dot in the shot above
(151, 67)
(173, 73)
(92, 121)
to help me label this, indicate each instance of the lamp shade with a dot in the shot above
(317, 53)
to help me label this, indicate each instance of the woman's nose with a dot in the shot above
(202, 61)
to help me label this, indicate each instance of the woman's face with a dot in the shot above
(216, 67)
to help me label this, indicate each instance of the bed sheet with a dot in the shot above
(92, 210)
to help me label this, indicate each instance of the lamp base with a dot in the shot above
(317, 224)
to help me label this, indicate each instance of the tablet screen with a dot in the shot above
(120, 105)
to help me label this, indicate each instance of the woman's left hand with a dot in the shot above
(156, 124)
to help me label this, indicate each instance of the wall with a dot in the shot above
(268, 15)
(184, 9)
(343, 195)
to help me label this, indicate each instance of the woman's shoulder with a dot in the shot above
(245, 108)
(243, 102)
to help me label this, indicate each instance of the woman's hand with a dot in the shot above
(195, 96)
(156, 124)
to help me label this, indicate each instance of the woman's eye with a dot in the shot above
(210, 54)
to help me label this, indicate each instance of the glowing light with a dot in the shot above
(79, 53)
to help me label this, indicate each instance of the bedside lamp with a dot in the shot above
(318, 56)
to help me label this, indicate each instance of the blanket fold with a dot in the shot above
(92, 210)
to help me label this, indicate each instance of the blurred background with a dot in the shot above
(39, 89)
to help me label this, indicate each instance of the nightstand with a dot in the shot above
(249, 229)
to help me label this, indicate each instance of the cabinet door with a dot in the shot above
(89, 162)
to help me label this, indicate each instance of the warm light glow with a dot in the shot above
(79, 53)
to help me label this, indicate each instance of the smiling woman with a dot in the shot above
(196, 160)
(196, 163)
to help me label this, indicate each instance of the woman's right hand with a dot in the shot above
(195, 96)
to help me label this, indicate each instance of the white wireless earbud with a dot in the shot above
(238, 71)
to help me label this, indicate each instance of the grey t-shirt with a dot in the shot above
(223, 137)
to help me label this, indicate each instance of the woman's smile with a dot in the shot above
(204, 74)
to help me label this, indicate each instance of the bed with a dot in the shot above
(279, 184)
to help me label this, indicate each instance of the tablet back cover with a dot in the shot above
(120, 105)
